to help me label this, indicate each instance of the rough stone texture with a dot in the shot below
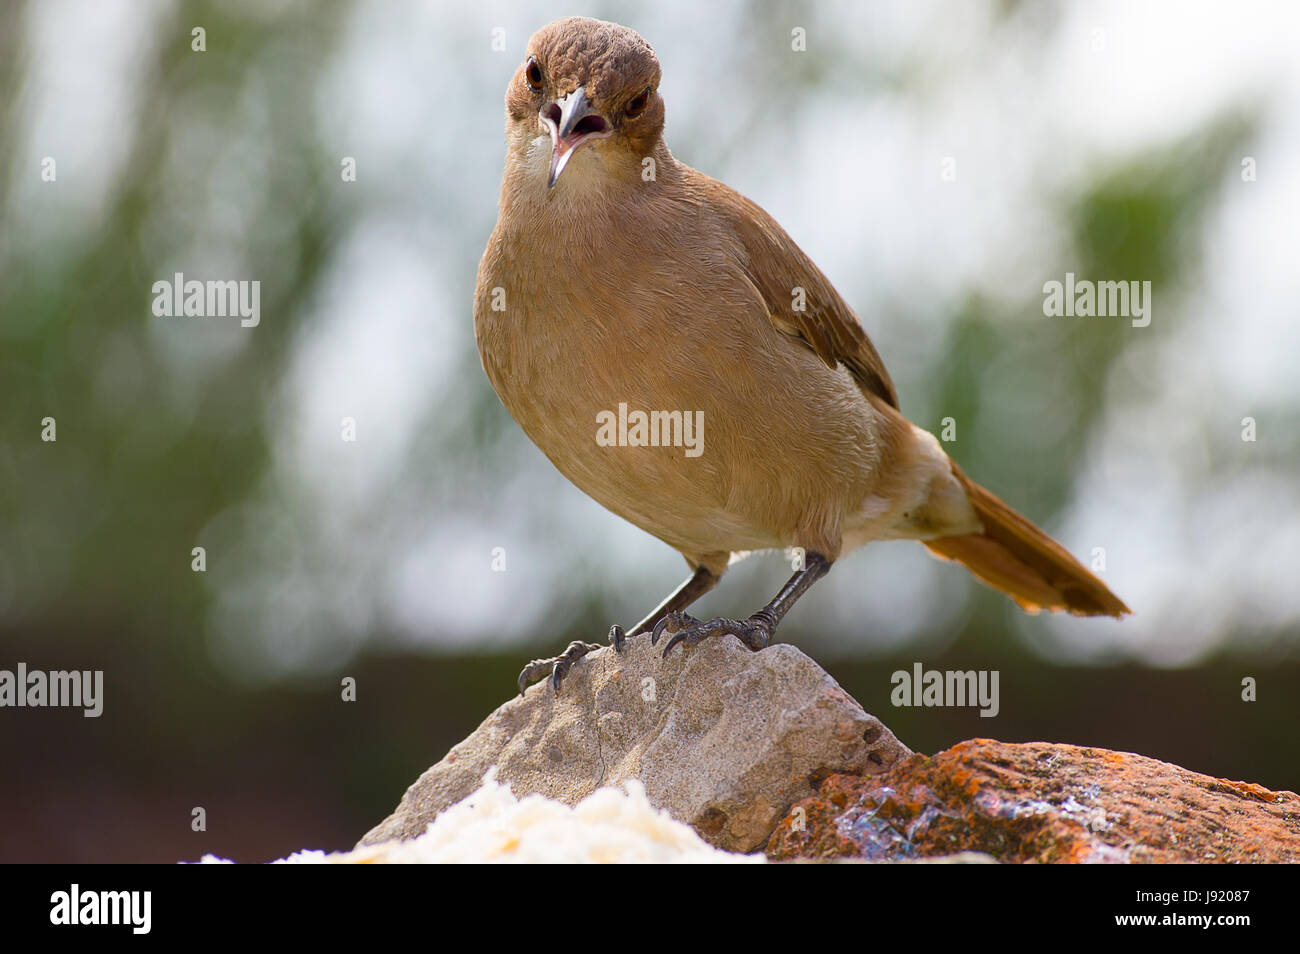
(724, 739)
(1040, 802)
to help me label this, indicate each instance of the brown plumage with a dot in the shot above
(617, 275)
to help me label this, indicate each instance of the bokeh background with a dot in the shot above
(940, 160)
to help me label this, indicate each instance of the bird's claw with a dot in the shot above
(617, 638)
(755, 632)
(557, 667)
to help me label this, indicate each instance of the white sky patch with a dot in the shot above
(86, 62)
(375, 353)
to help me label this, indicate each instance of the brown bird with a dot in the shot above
(679, 358)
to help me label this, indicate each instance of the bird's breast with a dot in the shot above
(655, 382)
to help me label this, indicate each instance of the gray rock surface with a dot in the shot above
(722, 738)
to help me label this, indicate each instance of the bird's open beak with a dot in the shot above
(571, 121)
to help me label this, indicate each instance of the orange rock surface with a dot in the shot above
(1041, 802)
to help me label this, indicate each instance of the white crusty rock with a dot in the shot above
(609, 826)
(721, 738)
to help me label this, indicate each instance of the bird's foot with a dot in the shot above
(755, 632)
(558, 666)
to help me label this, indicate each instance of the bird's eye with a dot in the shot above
(638, 105)
(533, 74)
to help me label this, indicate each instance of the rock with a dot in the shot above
(609, 826)
(1040, 802)
(722, 738)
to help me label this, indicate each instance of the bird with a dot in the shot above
(673, 352)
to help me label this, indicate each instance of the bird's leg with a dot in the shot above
(699, 583)
(557, 666)
(755, 632)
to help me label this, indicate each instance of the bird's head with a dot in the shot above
(585, 99)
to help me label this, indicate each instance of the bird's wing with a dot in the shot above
(777, 267)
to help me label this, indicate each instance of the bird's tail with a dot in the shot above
(1014, 556)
